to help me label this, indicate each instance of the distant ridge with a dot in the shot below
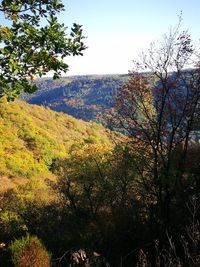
(83, 97)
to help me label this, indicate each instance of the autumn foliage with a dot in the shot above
(132, 196)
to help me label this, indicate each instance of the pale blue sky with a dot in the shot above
(117, 30)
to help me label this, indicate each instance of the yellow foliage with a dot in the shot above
(5, 31)
(32, 137)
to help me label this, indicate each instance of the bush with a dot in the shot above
(29, 252)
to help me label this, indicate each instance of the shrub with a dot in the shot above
(29, 252)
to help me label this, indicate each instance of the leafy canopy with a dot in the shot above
(32, 43)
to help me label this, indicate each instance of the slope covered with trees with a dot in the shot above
(84, 97)
(33, 137)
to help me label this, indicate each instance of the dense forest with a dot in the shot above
(80, 188)
(38, 148)
(84, 97)
(77, 194)
(31, 140)
(100, 190)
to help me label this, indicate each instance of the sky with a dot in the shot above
(118, 30)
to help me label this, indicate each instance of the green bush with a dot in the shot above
(29, 252)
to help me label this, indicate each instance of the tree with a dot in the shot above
(158, 108)
(33, 43)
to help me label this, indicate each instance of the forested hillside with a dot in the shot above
(67, 172)
(33, 137)
(83, 97)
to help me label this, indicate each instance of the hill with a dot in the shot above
(83, 97)
(33, 137)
